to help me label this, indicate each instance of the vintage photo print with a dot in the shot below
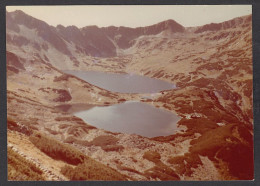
(129, 93)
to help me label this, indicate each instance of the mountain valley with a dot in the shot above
(210, 65)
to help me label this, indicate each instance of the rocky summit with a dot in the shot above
(210, 65)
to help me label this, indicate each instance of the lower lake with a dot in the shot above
(132, 118)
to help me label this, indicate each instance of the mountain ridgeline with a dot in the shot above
(95, 41)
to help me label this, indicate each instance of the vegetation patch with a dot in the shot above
(162, 172)
(221, 144)
(73, 119)
(20, 169)
(86, 167)
(104, 140)
(92, 170)
(107, 143)
(12, 125)
(64, 95)
(56, 149)
(152, 156)
(116, 148)
(77, 130)
(11, 68)
(53, 132)
(124, 168)
(63, 77)
(184, 164)
(198, 125)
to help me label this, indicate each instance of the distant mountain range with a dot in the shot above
(92, 40)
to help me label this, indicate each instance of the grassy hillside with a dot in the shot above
(22, 169)
(86, 167)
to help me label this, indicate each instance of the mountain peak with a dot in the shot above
(169, 25)
(18, 12)
(170, 22)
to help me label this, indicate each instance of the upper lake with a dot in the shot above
(123, 83)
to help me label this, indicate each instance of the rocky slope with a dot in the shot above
(211, 66)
